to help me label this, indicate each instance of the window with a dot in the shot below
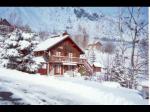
(58, 53)
(70, 56)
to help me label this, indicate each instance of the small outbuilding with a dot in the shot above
(97, 67)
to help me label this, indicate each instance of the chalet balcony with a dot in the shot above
(63, 59)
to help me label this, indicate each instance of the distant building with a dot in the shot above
(95, 44)
(97, 67)
(5, 27)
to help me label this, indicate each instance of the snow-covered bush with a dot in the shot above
(119, 72)
(66, 75)
(78, 74)
(3, 62)
(98, 77)
(72, 74)
(12, 53)
(29, 65)
(24, 44)
(27, 36)
(87, 78)
(32, 67)
(17, 50)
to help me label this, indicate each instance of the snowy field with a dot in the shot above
(32, 89)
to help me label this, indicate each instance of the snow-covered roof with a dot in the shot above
(82, 56)
(93, 42)
(39, 59)
(97, 64)
(50, 42)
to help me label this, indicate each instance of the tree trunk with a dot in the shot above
(132, 55)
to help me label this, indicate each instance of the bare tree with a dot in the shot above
(12, 18)
(109, 49)
(136, 28)
(43, 35)
(85, 38)
(119, 70)
(77, 38)
(129, 23)
(143, 52)
(82, 36)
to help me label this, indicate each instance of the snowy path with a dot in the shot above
(45, 90)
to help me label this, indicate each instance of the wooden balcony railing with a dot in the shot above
(65, 59)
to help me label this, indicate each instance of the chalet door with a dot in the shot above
(70, 68)
(57, 69)
(50, 69)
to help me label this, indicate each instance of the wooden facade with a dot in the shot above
(61, 57)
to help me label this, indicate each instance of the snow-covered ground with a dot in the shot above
(33, 89)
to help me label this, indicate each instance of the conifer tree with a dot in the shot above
(18, 48)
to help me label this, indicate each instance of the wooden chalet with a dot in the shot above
(95, 44)
(5, 27)
(60, 54)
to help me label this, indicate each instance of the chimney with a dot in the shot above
(65, 33)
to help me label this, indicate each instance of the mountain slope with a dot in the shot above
(58, 19)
